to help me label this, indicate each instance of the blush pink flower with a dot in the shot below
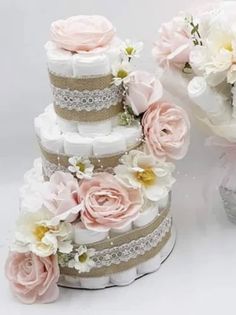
(61, 197)
(166, 129)
(107, 203)
(174, 44)
(143, 90)
(33, 279)
(82, 33)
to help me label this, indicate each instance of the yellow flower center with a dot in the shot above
(130, 50)
(122, 74)
(146, 177)
(81, 166)
(40, 232)
(83, 257)
(228, 46)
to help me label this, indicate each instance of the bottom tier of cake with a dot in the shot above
(96, 260)
(121, 278)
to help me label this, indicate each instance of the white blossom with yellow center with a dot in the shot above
(217, 56)
(81, 167)
(121, 72)
(131, 49)
(139, 170)
(82, 261)
(35, 234)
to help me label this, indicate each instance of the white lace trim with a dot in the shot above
(95, 100)
(131, 250)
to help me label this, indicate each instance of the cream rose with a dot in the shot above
(82, 33)
(32, 278)
(166, 129)
(143, 90)
(108, 203)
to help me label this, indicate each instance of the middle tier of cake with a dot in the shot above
(102, 142)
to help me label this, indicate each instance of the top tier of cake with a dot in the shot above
(80, 56)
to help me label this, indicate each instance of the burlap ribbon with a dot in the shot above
(124, 239)
(101, 163)
(92, 116)
(65, 85)
(81, 84)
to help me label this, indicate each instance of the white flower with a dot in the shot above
(82, 167)
(82, 260)
(35, 234)
(31, 198)
(121, 72)
(130, 49)
(143, 171)
(35, 174)
(215, 59)
(216, 69)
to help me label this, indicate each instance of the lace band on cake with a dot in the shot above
(126, 251)
(86, 99)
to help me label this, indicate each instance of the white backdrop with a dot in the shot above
(205, 254)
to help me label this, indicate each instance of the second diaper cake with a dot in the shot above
(95, 208)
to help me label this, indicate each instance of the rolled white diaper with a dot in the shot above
(95, 129)
(122, 230)
(132, 134)
(124, 277)
(150, 266)
(94, 282)
(52, 139)
(72, 280)
(51, 112)
(113, 52)
(85, 64)
(66, 125)
(85, 236)
(107, 145)
(175, 81)
(212, 103)
(43, 121)
(163, 203)
(74, 144)
(147, 216)
(59, 60)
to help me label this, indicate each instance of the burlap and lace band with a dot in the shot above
(87, 99)
(53, 162)
(128, 250)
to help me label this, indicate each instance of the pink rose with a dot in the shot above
(82, 33)
(61, 196)
(144, 90)
(33, 278)
(107, 203)
(166, 130)
(174, 44)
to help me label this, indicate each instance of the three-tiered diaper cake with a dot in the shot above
(95, 208)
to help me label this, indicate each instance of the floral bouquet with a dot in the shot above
(85, 226)
(199, 51)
